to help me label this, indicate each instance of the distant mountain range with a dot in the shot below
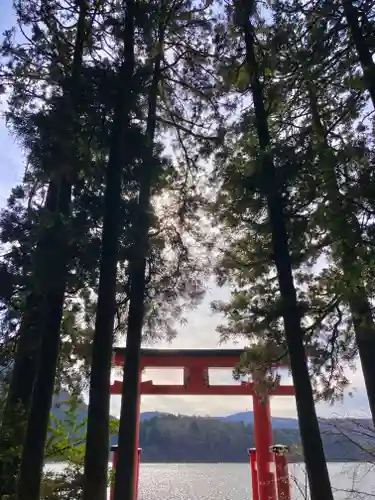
(279, 422)
(245, 417)
(169, 438)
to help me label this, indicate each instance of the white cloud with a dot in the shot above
(200, 332)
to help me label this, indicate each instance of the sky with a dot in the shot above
(199, 332)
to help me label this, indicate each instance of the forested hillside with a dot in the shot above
(195, 439)
(162, 150)
(170, 438)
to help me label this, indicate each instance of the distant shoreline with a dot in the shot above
(197, 462)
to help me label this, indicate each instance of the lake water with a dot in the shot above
(232, 481)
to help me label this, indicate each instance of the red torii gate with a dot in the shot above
(195, 365)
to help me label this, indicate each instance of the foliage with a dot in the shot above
(315, 230)
(209, 204)
(66, 444)
(66, 485)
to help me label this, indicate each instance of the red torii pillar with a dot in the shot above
(282, 473)
(263, 442)
(114, 450)
(252, 452)
(196, 364)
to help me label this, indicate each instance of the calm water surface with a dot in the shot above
(232, 481)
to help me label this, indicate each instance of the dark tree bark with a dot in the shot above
(128, 432)
(97, 441)
(32, 460)
(361, 46)
(316, 466)
(347, 234)
(39, 334)
(32, 457)
(16, 411)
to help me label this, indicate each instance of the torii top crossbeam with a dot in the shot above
(176, 358)
(195, 364)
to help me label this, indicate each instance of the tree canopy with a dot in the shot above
(167, 143)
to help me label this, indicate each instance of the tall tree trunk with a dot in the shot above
(348, 235)
(40, 325)
(316, 466)
(361, 46)
(128, 438)
(32, 460)
(32, 457)
(97, 440)
(16, 411)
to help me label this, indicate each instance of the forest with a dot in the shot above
(167, 144)
(171, 438)
(196, 439)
